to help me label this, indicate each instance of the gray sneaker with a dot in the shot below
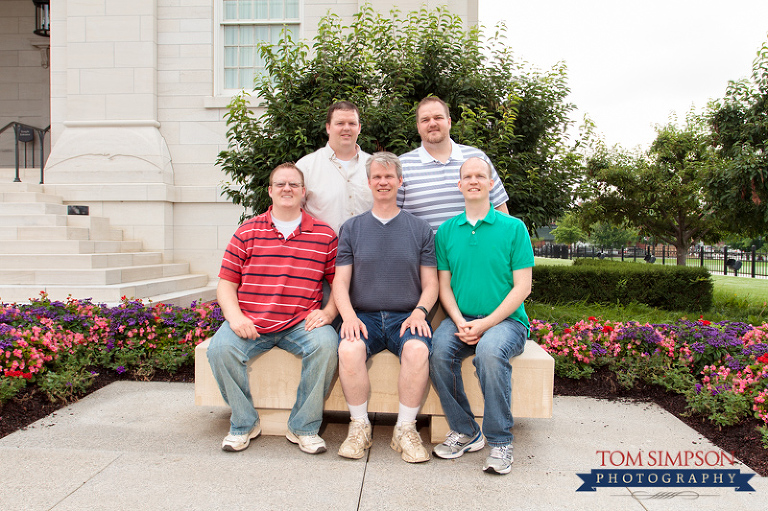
(456, 444)
(234, 443)
(500, 460)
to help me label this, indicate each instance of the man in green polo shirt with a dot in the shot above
(484, 261)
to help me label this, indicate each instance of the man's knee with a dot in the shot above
(325, 340)
(351, 351)
(219, 349)
(415, 352)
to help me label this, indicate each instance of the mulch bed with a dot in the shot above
(743, 440)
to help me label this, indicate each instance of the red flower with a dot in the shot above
(607, 328)
(18, 374)
(592, 318)
(704, 321)
(567, 331)
(763, 359)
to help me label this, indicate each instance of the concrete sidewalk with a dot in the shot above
(144, 446)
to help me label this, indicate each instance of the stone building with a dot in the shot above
(134, 93)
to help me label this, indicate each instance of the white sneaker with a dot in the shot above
(234, 443)
(358, 440)
(406, 440)
(310, 444)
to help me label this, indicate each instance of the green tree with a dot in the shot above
(739, 189)
(568, 230)
(659, 193)
(386, 65)
(607, 235)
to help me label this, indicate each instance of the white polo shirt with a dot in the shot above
(335, 193)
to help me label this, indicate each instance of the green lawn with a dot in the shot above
(753, 290)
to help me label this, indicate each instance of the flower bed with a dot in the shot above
(59, 346)
(721, 368)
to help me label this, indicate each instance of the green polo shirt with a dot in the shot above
(481, 260)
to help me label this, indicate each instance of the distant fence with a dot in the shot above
(718, 261)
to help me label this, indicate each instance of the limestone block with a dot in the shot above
(274, 378)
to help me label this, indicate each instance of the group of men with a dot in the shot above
(388, 236)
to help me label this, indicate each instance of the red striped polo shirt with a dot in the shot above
(279, 279)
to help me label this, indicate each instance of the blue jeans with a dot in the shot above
(229, 354)
(384, 332)
(497, 345)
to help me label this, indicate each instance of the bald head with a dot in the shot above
(475, 163)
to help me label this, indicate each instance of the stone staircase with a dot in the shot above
(43, 248)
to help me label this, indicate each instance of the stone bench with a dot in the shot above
(274, 378)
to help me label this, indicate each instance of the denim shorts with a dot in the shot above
(384, 332)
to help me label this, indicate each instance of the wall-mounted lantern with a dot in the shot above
(42, 17)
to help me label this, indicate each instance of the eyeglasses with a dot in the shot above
(282, 184)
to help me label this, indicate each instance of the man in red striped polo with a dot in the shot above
(270, 292)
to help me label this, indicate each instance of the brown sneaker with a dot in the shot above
(406, 440)
(358, 440)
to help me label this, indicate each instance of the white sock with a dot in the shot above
(359, 412)
(406, 414)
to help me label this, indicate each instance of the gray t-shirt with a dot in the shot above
(386, 260)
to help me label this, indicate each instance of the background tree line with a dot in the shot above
(386, 65)
(700, 181)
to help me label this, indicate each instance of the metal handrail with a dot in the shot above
(17, 126)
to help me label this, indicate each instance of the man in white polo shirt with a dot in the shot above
(430, 172)
(337, 186)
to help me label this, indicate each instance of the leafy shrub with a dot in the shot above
(611, 282)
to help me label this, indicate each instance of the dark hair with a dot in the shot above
(341, 105)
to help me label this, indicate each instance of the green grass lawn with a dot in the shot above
(735, 298)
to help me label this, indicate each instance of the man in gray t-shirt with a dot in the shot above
(385, 283)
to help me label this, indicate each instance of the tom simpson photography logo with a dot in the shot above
(665, 469)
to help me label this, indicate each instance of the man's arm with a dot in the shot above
(327, 314)
(503, 208)
(226, 294)
(521, 288)
(417, 321)
(351, 326)
(448, 299)
(324, 316)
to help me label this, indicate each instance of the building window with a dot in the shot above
(246, 24)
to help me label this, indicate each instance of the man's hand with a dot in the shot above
(351, 330)
(244, 328)
(317, 318)
(470, 332)
(418, 324)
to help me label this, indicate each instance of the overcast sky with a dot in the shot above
(633, 63)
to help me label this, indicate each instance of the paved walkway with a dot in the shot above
(144, 446)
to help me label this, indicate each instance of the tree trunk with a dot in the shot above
(682, 252)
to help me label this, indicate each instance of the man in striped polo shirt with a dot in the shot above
(430, 172)
(270, 293)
